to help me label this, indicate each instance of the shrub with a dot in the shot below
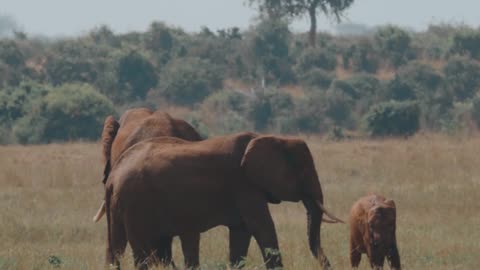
(421, 78)
(393, 119)
(68, 112)
(11, 54)
(361, 57)
(462, 77)
(399, 90)
(187, 81)
(310, 58)
(476, 110)
(338, 106)
(368, 90)
(365, 85)
(316, 77)
(309, 115)
(225, 112)
(393, 43)
(466, 42)
(267, 106)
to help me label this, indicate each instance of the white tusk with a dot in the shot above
(100, 212)
(328, 213)
(326, 220)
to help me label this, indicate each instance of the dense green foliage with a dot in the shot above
(266, 78)
(393, 119)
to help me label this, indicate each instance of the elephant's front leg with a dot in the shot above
(191, 248)
(239, 242)
(253, 208)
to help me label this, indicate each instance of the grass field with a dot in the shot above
(48, 195)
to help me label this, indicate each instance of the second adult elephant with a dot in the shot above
(134, 126)
(167, 186)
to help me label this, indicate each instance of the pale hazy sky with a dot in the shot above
(68, 17)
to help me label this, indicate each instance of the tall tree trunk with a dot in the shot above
(312, 35)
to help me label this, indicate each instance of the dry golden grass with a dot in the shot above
(49, 194)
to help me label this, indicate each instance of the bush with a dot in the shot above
(317, 78)
(466, 42)
(187, 81)
(68, 112)
(15, 102)
(225, 112)
(310, 58)
(393, 119)
(361, 57)
(421, 78)
(365, 85)
(339, 102)
(267, 106)
(462, 77)
(393, 43)
(11, 54)
(368, 90)
(476, 110)
(309, 115)
(399, 90)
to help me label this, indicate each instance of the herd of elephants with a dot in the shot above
(162, 180)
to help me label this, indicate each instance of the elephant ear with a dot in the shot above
(389, 203)
(110, 129)
(266, 164)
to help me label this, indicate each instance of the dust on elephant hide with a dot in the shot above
(165, 187)
(372, 231)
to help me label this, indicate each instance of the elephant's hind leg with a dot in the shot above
(355, 257)
(191, 249)
(163, 251)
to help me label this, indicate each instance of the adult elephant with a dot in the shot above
(168, 186)
(134, 126)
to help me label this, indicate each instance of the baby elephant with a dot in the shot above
(372, 231)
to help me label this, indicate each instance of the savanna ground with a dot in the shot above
(49, 194)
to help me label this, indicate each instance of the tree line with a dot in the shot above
(389, 81)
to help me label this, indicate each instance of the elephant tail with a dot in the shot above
(110, 129)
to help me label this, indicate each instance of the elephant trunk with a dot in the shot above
(314, 219)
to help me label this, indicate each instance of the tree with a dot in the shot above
(188, 80)
(136, 75)
(298, 8)
(271, 52)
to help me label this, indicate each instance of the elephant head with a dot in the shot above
(381, 220)
(284, 170)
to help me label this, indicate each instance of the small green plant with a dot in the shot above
(55, 261)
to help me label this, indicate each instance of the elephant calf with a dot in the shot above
(372, 231)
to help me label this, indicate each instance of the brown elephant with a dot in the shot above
(168, 186)
(134, 126)
(372, 231)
